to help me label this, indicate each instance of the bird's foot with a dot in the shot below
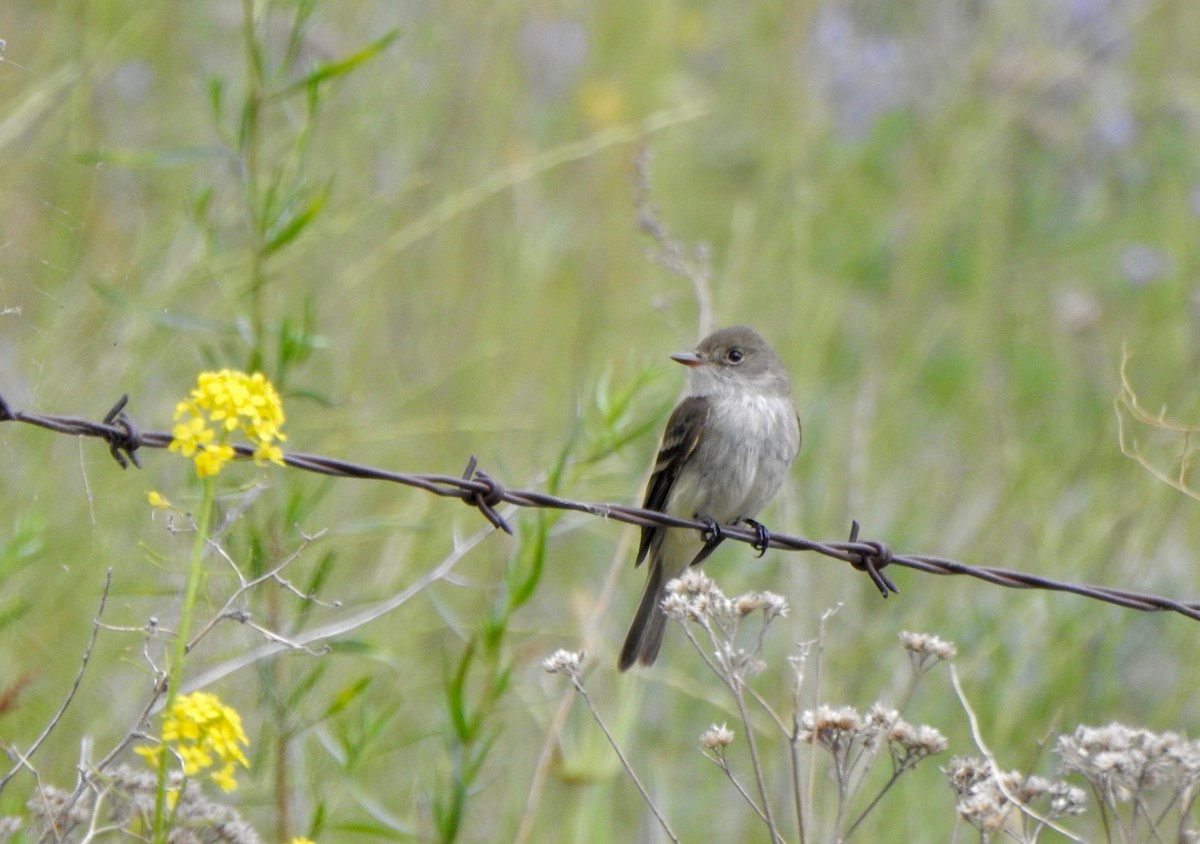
(712, 533)
(711, 536)
(763, 536)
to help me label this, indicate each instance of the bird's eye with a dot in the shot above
(735, 355)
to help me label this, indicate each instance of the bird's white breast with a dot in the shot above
(748, 446)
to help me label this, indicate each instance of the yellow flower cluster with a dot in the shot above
(221, 403)
(204, 733)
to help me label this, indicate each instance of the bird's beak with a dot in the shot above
(688, 358)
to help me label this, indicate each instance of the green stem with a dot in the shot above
(175, 671)
(248, 150)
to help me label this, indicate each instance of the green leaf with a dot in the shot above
(216, 97)
(341, 67)
(297, 342)
(347, 696)
(290, 222)
(456, 697)
(527, 573)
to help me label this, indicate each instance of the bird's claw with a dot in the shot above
(712, 533)
(763, 536)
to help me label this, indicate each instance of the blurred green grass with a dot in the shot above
(948, 223)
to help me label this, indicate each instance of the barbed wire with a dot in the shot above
(478, 489)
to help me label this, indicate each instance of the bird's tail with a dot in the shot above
(646, 633)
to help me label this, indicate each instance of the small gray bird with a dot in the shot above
(724, 455)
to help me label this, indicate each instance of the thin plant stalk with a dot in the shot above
(798, 662)
(735, 686)
(721, 762)
(895, 776)
(175, 672)
(809, 794)
(579, 687)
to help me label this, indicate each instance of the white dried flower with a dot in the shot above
(987, 812)
(1120, 761)
(772, 605)
(984, 804)
(128, 796)
(693, 582)
(715, 737)
(926, 644)
(58, 807)
(930, 741)
(676, 606)
(694, 596)
(1066, 799)
(911, 744)
(830, 727)
(882, 716)
(564, 662)
(967, 774)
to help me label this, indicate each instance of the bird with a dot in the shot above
(725, 452)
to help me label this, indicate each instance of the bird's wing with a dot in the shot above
(679, 443)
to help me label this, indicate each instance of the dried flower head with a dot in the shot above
(126, 796)
(881, 716)
(967, 774)
(715, 737)
(58, 808)
(928, 645)
(564, 662)
(693, 582)
(911, 744)
(694, 596)
(773, 606)
(1121, 762)
(832, 729)
(983, 796)
(981, 802)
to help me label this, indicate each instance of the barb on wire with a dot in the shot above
(872, 563)
(478, 489)
(486, 502)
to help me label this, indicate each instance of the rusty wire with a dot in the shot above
(478, 489)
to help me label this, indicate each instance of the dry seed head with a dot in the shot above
(715, 737)
(829, 727)
(772, 605)
(564, 662)
(926, 644)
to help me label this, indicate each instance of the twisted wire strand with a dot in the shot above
(479, 490)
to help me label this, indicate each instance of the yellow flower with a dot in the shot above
(211, 458)
(190, 436)
(204, 733)
(302, 841)
(268, 452)
(220, 404)
(158, 500)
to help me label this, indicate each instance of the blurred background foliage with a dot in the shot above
(417, 219)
